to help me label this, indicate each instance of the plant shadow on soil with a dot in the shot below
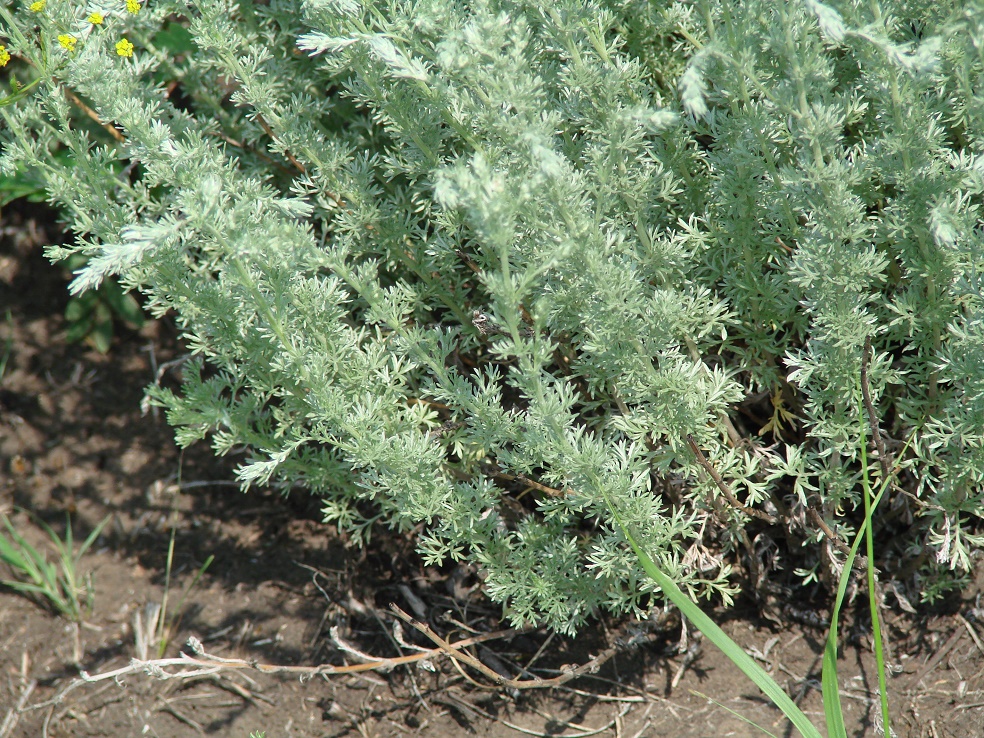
(73, 440)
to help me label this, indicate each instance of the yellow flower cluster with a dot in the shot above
(69, 42)
(4, 56)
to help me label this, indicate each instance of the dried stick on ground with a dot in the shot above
(203, 663)
(455, 652)
(13, 714)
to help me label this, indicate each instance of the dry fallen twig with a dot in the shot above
(204, 664)
(455, 651)
(13, 714)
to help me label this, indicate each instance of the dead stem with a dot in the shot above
(459, 656)
(883, 457)
(723, 486)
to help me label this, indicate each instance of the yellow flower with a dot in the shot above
(133, 6)
(124, 47)
(96, 19)
(37, 6)
(67, 42)
(4, 56)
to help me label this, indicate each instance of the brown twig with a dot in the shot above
(973, 633)
(883, 457)
(13, 714)
(468, 262)
(455, 652)
(181, 718)
(290, 157)
(733, 501)
(462, 705)
(204, 664)
(831, 536)
(77, 101)
(723, 486)
(522, 478)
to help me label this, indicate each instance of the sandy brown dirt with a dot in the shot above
(73, 440)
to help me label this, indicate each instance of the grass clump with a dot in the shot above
(56, 585)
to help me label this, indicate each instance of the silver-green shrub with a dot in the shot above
(458, 268)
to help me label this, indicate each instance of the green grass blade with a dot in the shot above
(163, 635)
(23, 558)
(25, 587)
(829, 686)
(69, 542)
(87, 543)
(55, 585)
(869, 506)
(11, 555)
(720, 639)
(830, 689)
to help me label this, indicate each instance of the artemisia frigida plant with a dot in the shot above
(478, 269)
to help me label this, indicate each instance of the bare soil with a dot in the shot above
(286, 589)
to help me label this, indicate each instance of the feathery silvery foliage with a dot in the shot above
(469, 268)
